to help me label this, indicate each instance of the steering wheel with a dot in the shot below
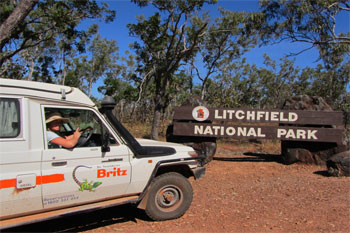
(85, 136)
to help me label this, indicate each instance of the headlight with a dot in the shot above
(193, 153)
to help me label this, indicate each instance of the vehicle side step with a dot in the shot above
(33, 218)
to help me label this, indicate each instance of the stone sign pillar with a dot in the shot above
(309, 152)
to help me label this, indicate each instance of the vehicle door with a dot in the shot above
(90, 172)
(20, 158)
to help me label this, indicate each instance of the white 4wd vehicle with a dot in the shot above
(107, 167)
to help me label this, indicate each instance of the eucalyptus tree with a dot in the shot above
(302, 85)
(225, 41)
(42, 21)
(69, 47)
(310, 21)
(77, 67)
(276, 81)
(333, 85)
(119, 83)
(104, 55)
(12, 69)
(123, 93)
(12, 17)
(119, 89)
(314, 23)
(235, 85)
(167, 41)
(240, 84)
(334, 80)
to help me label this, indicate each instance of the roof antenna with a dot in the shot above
(63, 93)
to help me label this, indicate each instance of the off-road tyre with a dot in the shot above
(170, 195)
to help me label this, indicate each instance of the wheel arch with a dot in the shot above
(182, 169)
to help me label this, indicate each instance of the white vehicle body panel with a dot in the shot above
(35, 178)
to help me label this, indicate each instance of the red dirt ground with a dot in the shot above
(241, 192)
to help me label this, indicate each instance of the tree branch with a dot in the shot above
(9, 26)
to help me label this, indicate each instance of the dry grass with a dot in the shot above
(138, 130)
(244, 146)
(143, 130)
(271, 147)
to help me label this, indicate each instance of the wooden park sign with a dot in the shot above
(263, 124)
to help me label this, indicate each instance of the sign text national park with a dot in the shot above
(289, 125)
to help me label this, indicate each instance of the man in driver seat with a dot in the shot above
(53, 122)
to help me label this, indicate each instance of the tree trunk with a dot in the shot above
(156, 123)
(34, 56)
(64, 71)
(202, 92)
(121, 115)
(159, 103)
(64, 75)
(31, 69)
(90, 87)
(204, 83)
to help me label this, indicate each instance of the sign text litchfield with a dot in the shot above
(252, 115)
(201, 124)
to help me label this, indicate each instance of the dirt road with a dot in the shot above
(240, 193)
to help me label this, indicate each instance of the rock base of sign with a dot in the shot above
(339, 164)
(309, 152)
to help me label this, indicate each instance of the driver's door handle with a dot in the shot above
(56, 164)
(112, 160)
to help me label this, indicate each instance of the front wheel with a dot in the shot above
(170, 196)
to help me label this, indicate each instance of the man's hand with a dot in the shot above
(86, 129)
(77, 133)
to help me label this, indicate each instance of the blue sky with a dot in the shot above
(126, 13)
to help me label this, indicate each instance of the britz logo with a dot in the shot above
(200, 113)
(102, 173)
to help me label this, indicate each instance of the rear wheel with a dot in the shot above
(169, 197)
